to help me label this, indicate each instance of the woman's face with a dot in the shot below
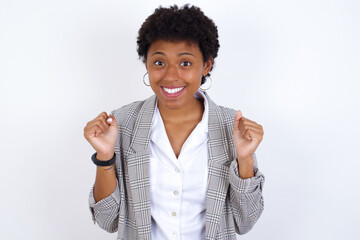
(175, 70)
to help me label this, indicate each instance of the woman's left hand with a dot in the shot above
(247, 137)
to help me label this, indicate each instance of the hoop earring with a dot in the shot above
(144, 80)
(204, 89)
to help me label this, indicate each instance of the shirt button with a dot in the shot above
(173, 214)
(174, 234)
(176, 192)
(177, 170)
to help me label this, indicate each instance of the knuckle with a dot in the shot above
(102, 115)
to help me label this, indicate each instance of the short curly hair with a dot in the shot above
(187, 23)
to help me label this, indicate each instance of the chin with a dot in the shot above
(172, 106)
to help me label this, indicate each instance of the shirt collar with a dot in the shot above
(202, 125)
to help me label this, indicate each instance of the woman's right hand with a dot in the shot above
(102, 133)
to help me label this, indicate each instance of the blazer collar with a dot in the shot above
(141, 135)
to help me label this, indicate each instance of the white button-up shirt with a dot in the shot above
(178, 185)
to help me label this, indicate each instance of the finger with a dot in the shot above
(111, 120)
(252, 135)
(248, 135)
(90, 129)
(104, 126)
(95, 131)
(244, 120)
(250, 124)
(86, 132)
(96, 126)
(103, 115)
(243, 129)
(98, 123)
(238, 116)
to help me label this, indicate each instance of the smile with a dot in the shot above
(173, 90)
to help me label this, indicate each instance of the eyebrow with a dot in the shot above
(180, 54)
(185, 53)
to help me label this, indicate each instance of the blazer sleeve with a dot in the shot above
(106, 211)
(246, 197)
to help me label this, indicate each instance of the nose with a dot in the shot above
(172, 73)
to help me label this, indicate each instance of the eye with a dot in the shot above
(186, 63)
(159, 63)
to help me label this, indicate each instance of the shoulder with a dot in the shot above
(221, 127)
(128, 113)
(227, 113)
(220, 113)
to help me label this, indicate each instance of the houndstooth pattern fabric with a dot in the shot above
(233, 205)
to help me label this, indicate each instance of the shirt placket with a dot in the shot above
(175, 196)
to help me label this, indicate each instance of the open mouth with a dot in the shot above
(172, 92)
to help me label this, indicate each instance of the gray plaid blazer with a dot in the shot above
(233, 205)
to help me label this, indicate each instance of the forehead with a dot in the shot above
(175, 47)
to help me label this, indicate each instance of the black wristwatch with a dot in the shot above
(98, 162)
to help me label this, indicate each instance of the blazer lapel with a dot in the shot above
(218, 165)
(138, 168)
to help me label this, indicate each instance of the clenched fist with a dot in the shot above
(247, 136)
(102, 133)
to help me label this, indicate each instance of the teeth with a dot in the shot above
(173, 90)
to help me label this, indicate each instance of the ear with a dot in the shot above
(145, 61)
(208, 65)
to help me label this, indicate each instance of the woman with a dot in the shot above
(176, 166)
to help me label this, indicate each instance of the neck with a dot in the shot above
(193, 110)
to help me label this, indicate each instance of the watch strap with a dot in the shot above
(98, 162)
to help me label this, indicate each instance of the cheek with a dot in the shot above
(155, 76)
(193, 75)
(193, 79)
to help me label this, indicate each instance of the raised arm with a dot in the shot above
(102, 133)
(246, 181)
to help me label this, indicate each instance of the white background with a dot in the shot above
(292, 66)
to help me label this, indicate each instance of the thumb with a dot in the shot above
(238, 116)
(111, 120)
